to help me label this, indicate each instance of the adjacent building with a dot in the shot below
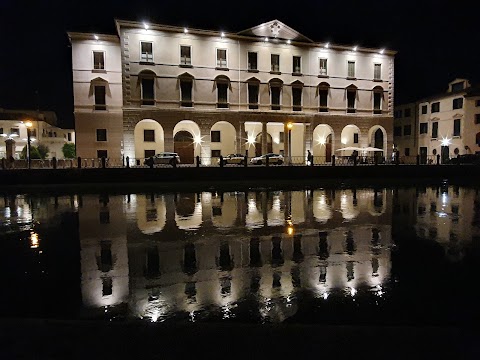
(446, 124)
(153, 88)
(44, 131)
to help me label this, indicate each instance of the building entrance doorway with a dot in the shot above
(183, 145)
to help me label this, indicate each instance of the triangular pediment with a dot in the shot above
(277, 30)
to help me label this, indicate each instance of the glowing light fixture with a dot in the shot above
(327, 45)
(251, 140)
(185, 30)
(197, 139)
(146, 26)
(382, 51)
(222, 34)
(95, 36)
(445, 141)
(288, 41)
(355, 48)
(344, 141)
(289, 125)
(34, 243)
(321, 140)
(266, 39)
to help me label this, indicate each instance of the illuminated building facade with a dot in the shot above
(444, 125)
(154, 88)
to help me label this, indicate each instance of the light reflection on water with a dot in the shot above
(256, 256)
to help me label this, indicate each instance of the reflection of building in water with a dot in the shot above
(192, 252)
(103, 242)
(449, 215)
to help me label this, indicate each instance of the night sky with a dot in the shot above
(436, 41)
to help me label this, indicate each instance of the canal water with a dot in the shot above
(399, 255)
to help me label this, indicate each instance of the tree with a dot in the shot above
(34, 153)
(43, 150)
(68, 150)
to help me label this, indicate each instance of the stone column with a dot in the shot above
(168, 139)
(241, 138)
(264, 137)
(205, 150)
(308, 136)
(10, 148)
(286, 148)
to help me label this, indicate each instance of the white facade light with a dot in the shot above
(145, 25)
(355, 48)
(95, 36)
(288, 41)
(266, 39)
(327, 45)
(222, 34)
(185, 30)
(445, 141)
(382, 51)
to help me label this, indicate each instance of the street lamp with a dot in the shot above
(28, 125)
(289, 126)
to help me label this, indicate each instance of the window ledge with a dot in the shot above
(221, 68)
(433, 139)
(297, 74)
(276, 72)
(351, 78)
(146, 62)
(378, 80)
(253, 70)
(101, 71)
(185, 65)
(323, 76)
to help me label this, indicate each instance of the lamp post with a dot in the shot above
(28, 125)
(289, 126)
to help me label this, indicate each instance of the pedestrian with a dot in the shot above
(309, 157)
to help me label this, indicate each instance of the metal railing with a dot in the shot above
(313, 161)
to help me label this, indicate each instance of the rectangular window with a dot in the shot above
(351, 95)
(456, 127)
(323, 67)
(149, 153)
(477, 103)
(407, 151)
(397, 131)
(186, 92)
(407, 130)
(252, 61)
(148, 95)
(355, 138)
(253, 96)
(146, 54)
(477, 118)
(297, 98)
(15, 131)
(69, 136)
(275, 90)
(102, 154)
(457, 86)
(215, 136)
(435, 107)
(107, 286)
(100, 103)
(457, 103)
(397, 114)
(323, 95)
(434, 130)
(275, 63)
(216, 153)
(351, 69)
(222, 58)
(424, 109)
(377, 102)
(282, 137)
(297, 65)
(185, 55)
(377, 71)
(222, 100)
(424, 128)
(1, 130)
(99, 60)
(408, 112)
(101, 134)
(149, 135)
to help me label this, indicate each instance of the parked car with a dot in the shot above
(167, 158)
(238, 159)
(272, 159)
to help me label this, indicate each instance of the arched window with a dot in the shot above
(186, 85)
(297, 89)
(323, 90)
(377, 99)
(351, 98)
(222, 83)
(253, 91)
(147, 87)
(275, 86)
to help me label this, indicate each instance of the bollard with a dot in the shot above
(245, 161)
(174, 163)
(150, 162)
(54, 162)
(458, 159)
(333, 160)
(123, 161)
(221, 161)
(438, 159)
(311, 160)
(79, 162)
(397, 157)
(3, 163)
(198, 161)
(354, 161)
(104, 162)
(375, 160)
(127, 159)
(418, 159)
(267, 161)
